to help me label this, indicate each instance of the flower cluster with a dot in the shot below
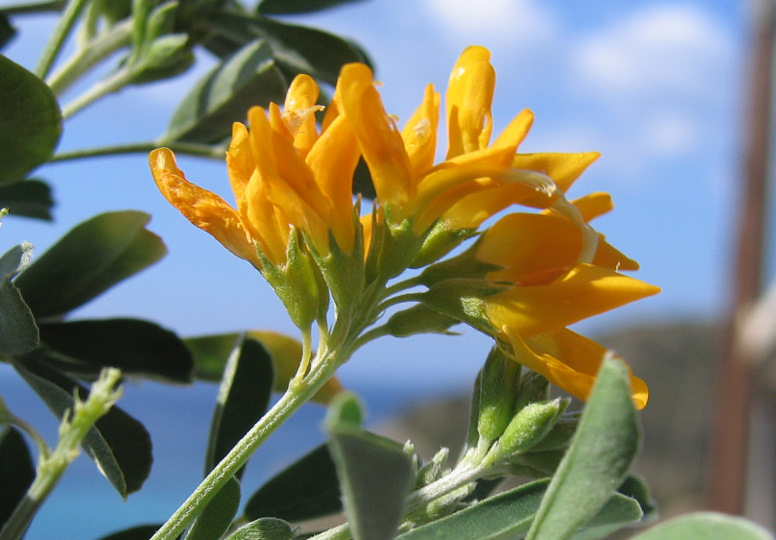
(523, 280)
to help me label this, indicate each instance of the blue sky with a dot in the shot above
(654, 86)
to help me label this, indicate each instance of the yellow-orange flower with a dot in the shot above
(283, 173)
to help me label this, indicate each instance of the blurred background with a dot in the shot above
(660, 88)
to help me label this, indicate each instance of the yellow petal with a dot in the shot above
(532, 249)
(593, 205)
(516, 131)
(585, 291)
(201, 207)
(469, 97)
(563, 168)
(569, 361)
(299, 112)
(333, 159)
(378, 137)
(420, 133)
(286, 353)
(240, 163)
(610, 257)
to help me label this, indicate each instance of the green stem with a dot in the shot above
(23, 9)
(242, 451)
(87, 57)
(112, 84)
(192, 149)
(58, 37)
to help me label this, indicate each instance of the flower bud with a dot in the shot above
(498, 392)
(530, 426)
(418, 319)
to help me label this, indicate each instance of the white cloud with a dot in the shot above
(664, 48)
(497, 20)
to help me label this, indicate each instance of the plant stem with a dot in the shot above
(58, 37)
(89, 56)
(192, 149)
(112, 84)
(22, 9)
(242, 451)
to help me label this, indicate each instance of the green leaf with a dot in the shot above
(89, 259)
(140, 532)
(509, 515)
(243, 398)
(210, 354)
(375, 473)
(16, 471)
(708, 526)
(119, 444)
(31, 198)
(297, 49)
(30, 122)
(607, 441)
(249, 77)
(136, 347)
(284, 7)
(263, 529)
(305, 490)
(217, 516)
(7, 31)
(18, 331)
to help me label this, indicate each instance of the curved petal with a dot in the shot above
(585, 291)
(469, 97)
(593, 205)
(516, 130)
(532, 249)
(299, 112)
(201, 207)
(569, 361)
(240, 163)
(420, 134)
(563, 168)
(610, 257)
(378, 137)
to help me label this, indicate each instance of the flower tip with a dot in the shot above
(162, 159)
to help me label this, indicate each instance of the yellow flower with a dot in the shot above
(283, 173)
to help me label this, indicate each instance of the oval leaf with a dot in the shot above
(607, 441)
(30, 122)
(16, 471)
(217, 516)
(118, 443)
(249, 77)
(136, 347)
(375, 473)
(31, 198)
(263, 529)
(140, 532)
(243, 398)
(305, 490)
(89, 259)
(284, 7)
(18, 331)
(706, 525)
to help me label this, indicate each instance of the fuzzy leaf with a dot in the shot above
(249, 77)
(706, 525)
(243, 398)
(118, 443)
(263, 529)
(30, 122)
(305, 490)
(31, 198)
(607, 441)
(89, 259)
(135, 346)
(16, 471)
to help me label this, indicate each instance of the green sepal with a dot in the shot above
(463, 299)
(561, 434)
(392, 248)
(264, 529)
(439, 241)
(463, 265)
(529, 426)
(375, 473)
(89, 259)
(499, 380)
(16, 470)
(297, 283)
(419, 319)
(607, 441)
(243, 398)
(119, 444)
(18, 331)
(306, 489)
(30, 122)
